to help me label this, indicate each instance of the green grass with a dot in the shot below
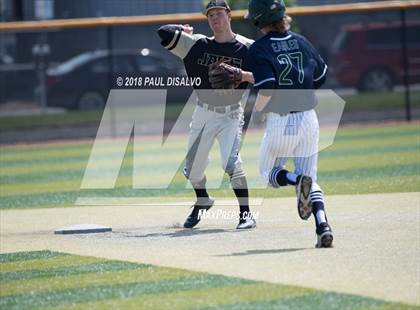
(31, 280)
(368, 102)
(371, 102)
(70, 118)
(50, 120)
(377, 159)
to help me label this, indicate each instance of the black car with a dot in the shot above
(83, 82)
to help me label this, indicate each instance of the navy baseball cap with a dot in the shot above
(216, 4)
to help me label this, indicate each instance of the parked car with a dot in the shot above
(369, 56)
(83, 82)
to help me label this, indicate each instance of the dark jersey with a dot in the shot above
(207, 51)
(287, 61)
(198, 52)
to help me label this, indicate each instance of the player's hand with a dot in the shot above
(187, 28)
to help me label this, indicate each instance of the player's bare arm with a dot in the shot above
(261, 102)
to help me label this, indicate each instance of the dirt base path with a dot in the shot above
(376, 252)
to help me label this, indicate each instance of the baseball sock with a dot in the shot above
(319, 213)
(240, 188)
(242, 195)
(318, 207)
(200, 189)
(201, 192)
(282, 177)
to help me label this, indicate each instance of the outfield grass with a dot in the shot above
(41, 279)
(69, 118)
(378, 159)
(366, 102)
(371, 102)
(73, 118)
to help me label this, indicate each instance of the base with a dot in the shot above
(82, 229)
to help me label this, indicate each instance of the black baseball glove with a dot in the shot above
(224, 76)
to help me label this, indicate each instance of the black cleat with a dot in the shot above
(303, 190)
(324, 235)
(194, 217)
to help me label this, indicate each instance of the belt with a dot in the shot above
(291, 112)
(219, 109)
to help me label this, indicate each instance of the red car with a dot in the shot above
(369, 56)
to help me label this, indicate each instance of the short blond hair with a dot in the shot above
(282, 25)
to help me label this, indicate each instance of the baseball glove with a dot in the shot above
(224, 76)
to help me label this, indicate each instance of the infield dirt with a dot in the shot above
(376, 247)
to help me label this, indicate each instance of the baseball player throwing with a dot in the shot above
(283, 60)
(220, 62)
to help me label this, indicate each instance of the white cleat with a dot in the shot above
(247, 223)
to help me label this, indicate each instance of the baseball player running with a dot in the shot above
(285, 60)
(220, 62)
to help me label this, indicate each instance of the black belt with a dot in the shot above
(284, 114)
(219, 109)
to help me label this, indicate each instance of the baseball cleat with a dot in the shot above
(324, 235)
(194, 218)
(246, 223)
(303, 189)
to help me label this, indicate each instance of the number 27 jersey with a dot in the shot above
(286, 61)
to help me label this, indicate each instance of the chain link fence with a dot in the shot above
(373, 58)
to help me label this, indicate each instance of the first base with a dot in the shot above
(82, 229)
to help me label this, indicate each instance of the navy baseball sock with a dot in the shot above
(282, 177)
(318, 211)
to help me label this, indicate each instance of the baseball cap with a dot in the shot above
(216, 4)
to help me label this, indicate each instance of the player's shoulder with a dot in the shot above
(261, 42)
(301, 38)
(258, 45)
(204, 40)
(198, 37)
(244, 40)
(297, 35)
